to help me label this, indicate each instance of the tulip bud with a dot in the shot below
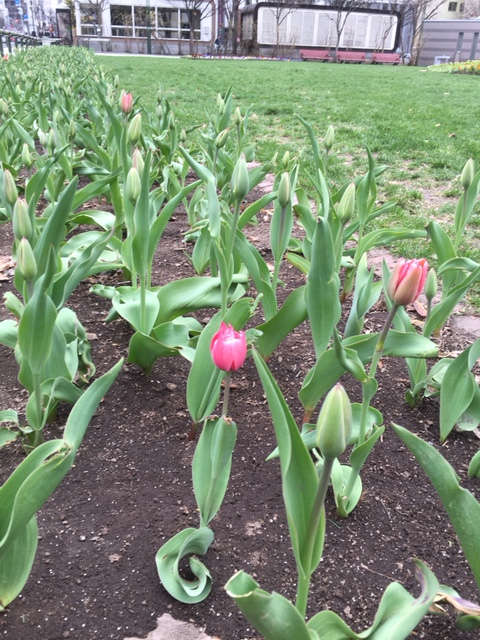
(72, 129)
(22, 225)
(183, 136)
(57, 116)
(431, 284)
(467, 174)
(346, 206)
(171, 121)
(126, 102)
(329, 138)
(133, 185)
(407, 280)
(42, 138)
(3, 107)
(159, 95)
(51, 140)
(159, 111)
(116, 81)
(240, 179)
(334, 424)
(228, 348)
(137, 161)
(221, 139)
(237, 117)
(26, 262)
(286, 160)
(283, 194)
(135, 129)
(26, 156)
(9, 188)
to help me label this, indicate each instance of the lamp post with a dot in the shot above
(64, 22)
(149, 32)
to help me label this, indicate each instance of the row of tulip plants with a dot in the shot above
(89, 180)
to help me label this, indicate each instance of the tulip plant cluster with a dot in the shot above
(99, 161)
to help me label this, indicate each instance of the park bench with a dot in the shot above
(315, 54)
(351, 56)
(386, 58)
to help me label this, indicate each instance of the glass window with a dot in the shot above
(121, 19)
(452, 6)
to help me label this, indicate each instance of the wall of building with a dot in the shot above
(457, 40)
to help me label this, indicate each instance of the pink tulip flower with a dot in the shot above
(407, 280)
(228, 348)
(126, 102)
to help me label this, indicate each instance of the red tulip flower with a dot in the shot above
(126, 102)
(407, 280)
(228, 348)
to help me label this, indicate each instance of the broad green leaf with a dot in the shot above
(445, 251)
(398, 613)
(299, 477)
(292, 313)
(323, 288)
(458, 388)
(462, 508)
(341, 477)
(35, 330)
(142, 316)
(16, 560)
(211, 466)
(271, 614)
(9, 333)
(168, 557)
(164, 341)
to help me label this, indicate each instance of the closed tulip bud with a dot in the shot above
(3, 107)
(51, 140)
(137, 161)
(283, 194)
(26, 156)
(126, 102)
(467, 174)
(329, 138)
(135, 129)
(26, 263)
(183, 136)
(237, 117)
(171, 121)
(9, 188)
(407, 280)
(22, 225)
(431, 284)
(221, 139)
(116, 81)
(57, 116)
(133, 185)
(72, 130)
(346, 206)
(286, 160)
(334, 424)
(159, 96)
(159, 111)
(42, 138)
(219, 99)
(240, 179)
(228, 348)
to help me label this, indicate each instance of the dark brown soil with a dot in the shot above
(130, 490)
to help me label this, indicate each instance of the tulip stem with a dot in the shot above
(303, 586)
(226, 393)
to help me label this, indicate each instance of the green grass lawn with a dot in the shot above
(423, 125)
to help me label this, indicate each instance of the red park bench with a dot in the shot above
(315, 54)
(386, 58)
(351, 56)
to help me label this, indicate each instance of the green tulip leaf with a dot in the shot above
(274, 617)
(211, 466)
(187, 542)
(16, 560)
(292, 313)
(340, 480)
(129, 306)
(462, 508)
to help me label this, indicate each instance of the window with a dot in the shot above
(473, 52)
(462, 7)
(121, 19)
(452, 6)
